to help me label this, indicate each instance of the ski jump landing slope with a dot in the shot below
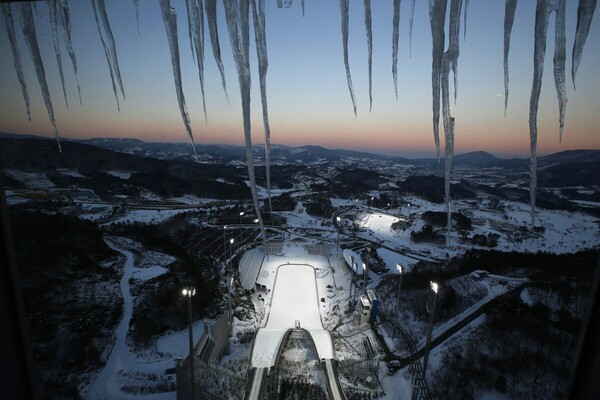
(295, 304)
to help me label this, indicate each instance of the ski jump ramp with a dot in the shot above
(294, 305)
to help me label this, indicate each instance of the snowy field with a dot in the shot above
(33, 180)
(147, 216)
(125, 369)
(564, 232)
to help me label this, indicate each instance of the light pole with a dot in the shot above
(241, 215)
(365, 277)
(230, 248)
(399, 268)
(188, 293)
(230, 306)
(338, 219)
(434, 287)
(224, 241)
(371, 202)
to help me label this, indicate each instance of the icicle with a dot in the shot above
(303, 8)
(344, 11)
(136, 4)
(111, 43)
(263, 64)
(10, 31)
(465, 21)
(541, 29)
(195, 12)
(453, 45)
(288, 3)
(410, 27)
(509, 17)
(106, 55)
(189, 6)
(241, 27)
(560, 56)
(395, 36)
(170, 19)
(28, 27)
(369, 29)
(449, 61)
(64, 21)
(211, 17)
(437, 17)
(585, 14)
(52, 5)
(280, 3)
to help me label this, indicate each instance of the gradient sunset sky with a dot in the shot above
(308, 96)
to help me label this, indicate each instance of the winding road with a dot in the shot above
(108, 383)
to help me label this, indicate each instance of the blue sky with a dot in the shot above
(308, 97)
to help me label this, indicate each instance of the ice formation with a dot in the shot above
(585, 13)
(111, 43)
(28, 27)
(560, 56)
(509, 17)
(465, 22)
(189, 4)
(258, 13)
(52, 6)
(64, 22)
(170, 19)
(395, 37)
(344, 13)
(437, 17)
(369, 29)
(541, 28)
(106, 55)
(136, 4)
(195, 13)
(449, 61)
(238, 25)
(410, 27)
(211, 19)
(14, 48)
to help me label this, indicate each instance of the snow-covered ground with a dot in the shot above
(33, 180)
(124, 371)
(119, 174)
(148, 216)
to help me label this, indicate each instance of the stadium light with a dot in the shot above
(399, 268)
(434, 287)
(188, 293)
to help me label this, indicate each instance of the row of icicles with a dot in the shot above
(237, 17)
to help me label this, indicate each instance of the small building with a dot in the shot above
(363, 313)
(374, 303)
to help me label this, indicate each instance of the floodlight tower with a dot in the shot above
(229, 289)
(399, 268)
(241, 216)
(224, 241)
(188, 293)
(338, 219)
(434, 287)
(365, 277)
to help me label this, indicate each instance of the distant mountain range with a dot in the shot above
(311, 154)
